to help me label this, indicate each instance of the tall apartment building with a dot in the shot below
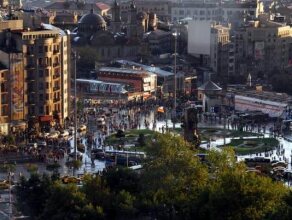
(12, 84)
(262, 45)
(160, 8)
(45, 60)
(212, 11)
(219, 49)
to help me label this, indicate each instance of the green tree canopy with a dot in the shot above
(172, 176)
(87, 56)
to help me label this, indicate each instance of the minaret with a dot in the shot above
(116, 22)
(132, 21)
(249, 80)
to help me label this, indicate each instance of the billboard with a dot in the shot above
(259, 50)
(199, 37)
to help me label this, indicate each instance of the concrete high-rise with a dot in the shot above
(45, 60)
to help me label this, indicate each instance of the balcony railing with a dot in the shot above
(56, 88)
(56, 75)
(56, 99)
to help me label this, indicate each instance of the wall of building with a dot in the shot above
(273, 109)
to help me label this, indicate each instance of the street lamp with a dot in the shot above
(175, 34)
(75, 107)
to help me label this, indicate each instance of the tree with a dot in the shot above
(173, 176)
(281, 81)
(87, 58)
(67, 202)
(234, 193)
(141, 140)
(122, 179)
(124, 204)
(97, 191)
(31, 194)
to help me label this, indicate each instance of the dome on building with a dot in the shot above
(92, 19)
(91, 23)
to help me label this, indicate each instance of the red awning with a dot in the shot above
(46, 118)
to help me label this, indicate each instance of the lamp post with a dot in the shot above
(75, 107)
(175, 34)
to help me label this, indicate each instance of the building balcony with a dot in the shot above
(31, 91)
(56, 99)
(56, 51)
(30, 66)
(56, 88)
(30, 78)
(56, 64)
(57, 40)
(30, 53)
(56, 75)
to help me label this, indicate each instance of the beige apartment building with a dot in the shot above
(263, 45)
(219, 48)
(45, 60)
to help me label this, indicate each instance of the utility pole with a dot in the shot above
(75, 107)
(174, 75)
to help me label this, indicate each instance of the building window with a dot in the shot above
(40, 49)
(40, 61)
(41, 73)
(41, 97)
(47, 71)
(41, 109)
(41, 86)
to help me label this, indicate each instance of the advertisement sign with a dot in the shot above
(259, 49)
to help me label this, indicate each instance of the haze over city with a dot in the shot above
(145, 109)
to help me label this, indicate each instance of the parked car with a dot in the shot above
(32, 145)
(64, 133)
(82, 128)
(54, 135)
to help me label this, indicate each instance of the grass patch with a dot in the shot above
(131, 137)
(252, 145)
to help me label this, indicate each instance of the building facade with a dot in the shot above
(136, 80)
(210, 11)
(45, 61)
(264, 44)
(160, 8)
(219, 49)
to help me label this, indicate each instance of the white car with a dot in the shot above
(53, 135)
(32, 145)
(100, 121)
(82, 128)
(64, 133)
(42, 144)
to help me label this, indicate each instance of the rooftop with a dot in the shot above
(159, 72)
(210, 86)
(265, 95)
(124, 70)
(72, 5)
